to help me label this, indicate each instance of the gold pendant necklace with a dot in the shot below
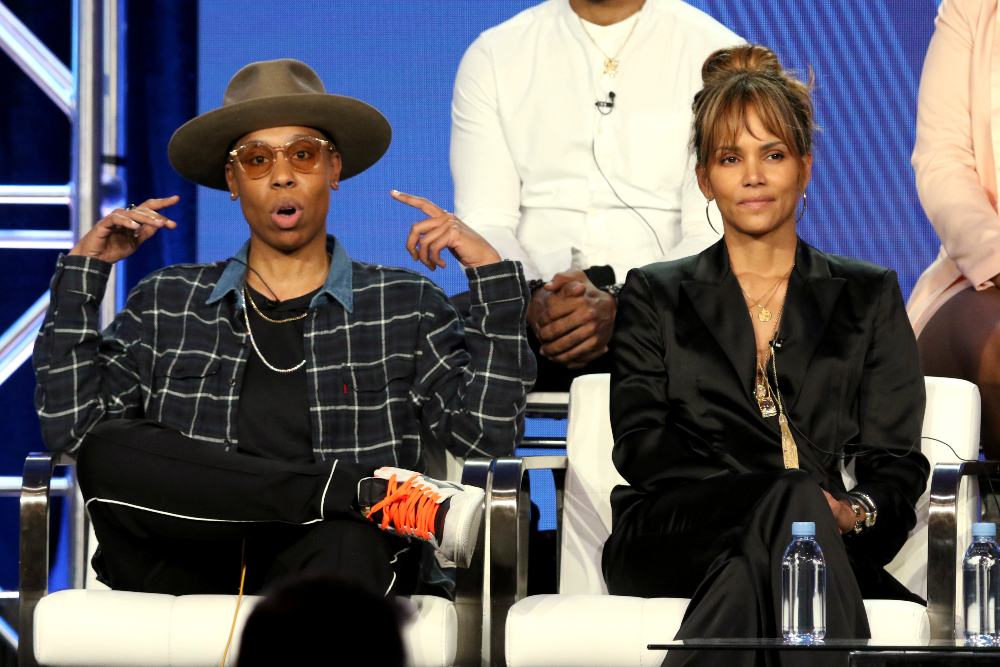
(762, 386)
(762, 392)
(789, 450)
(764, 315)
(771, 405)
(611, 62)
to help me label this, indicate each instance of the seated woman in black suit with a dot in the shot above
(744, 375)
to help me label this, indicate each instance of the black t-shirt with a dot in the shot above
(273, 417)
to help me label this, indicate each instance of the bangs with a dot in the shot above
(724, 117)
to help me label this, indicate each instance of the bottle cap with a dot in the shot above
(808, 529)
(983, 530)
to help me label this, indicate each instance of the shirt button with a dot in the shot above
(226, 443)
(232, 382)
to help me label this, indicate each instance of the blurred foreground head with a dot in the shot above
(318, 619)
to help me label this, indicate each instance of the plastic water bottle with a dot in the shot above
(981, 585)
(803, 586)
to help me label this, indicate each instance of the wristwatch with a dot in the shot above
(535, 285)
(613, 290)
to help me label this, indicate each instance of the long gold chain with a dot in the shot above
(611, 64)
(762, 387)
(290, 319)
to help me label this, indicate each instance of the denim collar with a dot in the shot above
(338, 285)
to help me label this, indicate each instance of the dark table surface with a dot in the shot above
(733, 644)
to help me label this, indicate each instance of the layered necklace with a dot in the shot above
(764, 315)
(611, 62)
(769, 401)
(246, 314)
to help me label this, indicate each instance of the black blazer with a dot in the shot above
(684, 360)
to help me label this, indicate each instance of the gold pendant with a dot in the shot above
(789, 450)
(763, 395)
(611, 66)
(764, 315)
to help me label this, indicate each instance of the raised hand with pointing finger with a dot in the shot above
(121, 232)
(443, 230)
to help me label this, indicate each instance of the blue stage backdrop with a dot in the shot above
(402, 58)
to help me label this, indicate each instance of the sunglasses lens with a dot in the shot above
(303, 154)
(256, 159)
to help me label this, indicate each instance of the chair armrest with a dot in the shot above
(33, 547)
(507, 521)
(547, 404)
(469, 582)
(942, 542)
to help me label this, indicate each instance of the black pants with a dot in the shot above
(720, 542)
(172, 515)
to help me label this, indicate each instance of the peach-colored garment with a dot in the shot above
(958, 137)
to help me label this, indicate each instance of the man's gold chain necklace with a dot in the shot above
(611, 64)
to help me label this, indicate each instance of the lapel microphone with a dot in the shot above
(601, 106)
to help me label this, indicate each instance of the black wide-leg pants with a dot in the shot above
(173, 515)
(720, 542)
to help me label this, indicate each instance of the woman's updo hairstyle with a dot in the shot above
(750, 76)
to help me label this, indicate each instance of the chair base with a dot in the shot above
(613, 631)
(88, 628)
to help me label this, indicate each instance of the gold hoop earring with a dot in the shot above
(708, 217)
(803, 207)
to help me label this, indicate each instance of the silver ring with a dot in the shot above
(130, 207)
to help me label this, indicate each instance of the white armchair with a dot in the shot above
(98, 627)
(583, 625)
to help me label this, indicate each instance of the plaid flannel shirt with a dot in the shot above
(385, 352)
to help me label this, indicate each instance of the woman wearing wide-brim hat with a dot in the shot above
(269, 404)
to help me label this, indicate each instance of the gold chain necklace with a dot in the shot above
(765, 315)
(611, 64)
(762, 387)
(290, 319)
(770, 404)
(253, 341)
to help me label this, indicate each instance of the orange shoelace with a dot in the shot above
(410, 508)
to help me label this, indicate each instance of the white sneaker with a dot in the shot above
(446, 514)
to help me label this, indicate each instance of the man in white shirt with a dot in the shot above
(569, 152)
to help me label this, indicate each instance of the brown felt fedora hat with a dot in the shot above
(277, 93)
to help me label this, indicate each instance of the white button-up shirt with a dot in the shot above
(528, 144)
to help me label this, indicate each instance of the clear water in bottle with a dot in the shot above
(981, 585)
(803, 586)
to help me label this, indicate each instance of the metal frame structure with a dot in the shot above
(90, 94)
